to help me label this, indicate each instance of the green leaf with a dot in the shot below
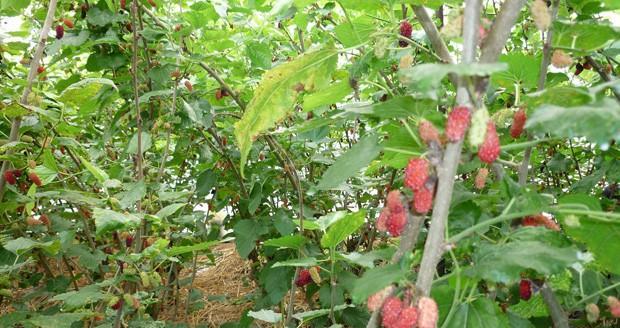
(205, 182)
(342, 229)
(522, 70)
(600, 237)
(58, 320)
(136, 192)
(327, 96)
(534, 307)
(599, 122)
(275, 96)
(169, 210)
(294, 242)
(348, 164)
(259, 55)
(303, 262)
(76, 299)
(504, 263)
(560, 96)
(425, 78)
(98, 173)
(375, 280)
(309, 315)
(13, 7)
(583, 37)
(132, 147)
(178, 250)
(247, 233)
(108, 220)
(14, 110)
(84, 91)
(481, 313)
(23, 245)
(367, 260)
(356, 32)
(266, 315)
(145, 98)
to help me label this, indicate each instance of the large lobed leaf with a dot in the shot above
(275, 96)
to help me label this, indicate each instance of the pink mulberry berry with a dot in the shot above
(390, 311)
(614, 306)
(405, 30)
(489, 150)
(525, 289)
(408, 318)
(427, 313)
(384, 216)
(375, 300)
(423, 200)
(458, 122)
(481, 178)
(304, 278)
(416, 173)
(428, 132)
(518, 122)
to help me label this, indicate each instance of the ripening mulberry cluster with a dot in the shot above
(397, 314)
(405, 30)
(393, 217)
(416, 178)
(540, 220)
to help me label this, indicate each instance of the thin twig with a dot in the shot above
(601, 71)
(32, 73)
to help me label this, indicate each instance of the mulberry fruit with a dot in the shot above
(489, 150)
(428, 132)
(578, 69)
(383, 218)
(408, 318)
(45, 219)
(525, 289)
(541, 15)
(397, 218)
(560, 59)
(189, 86)
(416, 173)
(518, 122)
(423, 200)
(481, 178)
(40, 69)
(592, 312)
(124, 4)
(458, 122)
(60, 32)
(34, 178)
(428, 313)
(405, 30)
(9, 177)
(32, 221)
(614, 306)
(68, 22)
(304, 278)
(540, 220)
(152, 3)
(375, 300)
(390, 311)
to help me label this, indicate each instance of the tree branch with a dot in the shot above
(433, 34)
(603, 75)
(433, 248)
(500, 30)
(32, 73)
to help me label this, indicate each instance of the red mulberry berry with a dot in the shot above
(481, 178)
(304, 278)
(540, 220)
(117, 305)
(34, 178)
(9, 177)
(129, 241)
(405, 30)
(489, 150)
(578, 69)
(375, 300)
(68, 22)
(397, 218)
(17, 173)
(458, 122)
(45, 219)
(390, 311)
(428, 313)
(189, 86)
(32, 221)
(614, 306)
(40, 69)
(525, 289)
(60, 32)
(518, 122)
(423, 200)
(428, 132)
(416, 173)
(383, 219)
(408, 318)
(124, 4)
(152, 3)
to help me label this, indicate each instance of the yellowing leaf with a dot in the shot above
(276, 94)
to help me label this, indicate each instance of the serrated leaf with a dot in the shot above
(504, 263)
(600, 237)
(98, 173)
(266, 315)
(58, 320)
(275, 96)
(247, 233)
(522, 70)
(375, 280)
(178, 250)
(534, 307)
(599, 122)
(481, 313)
(342, 229)
(84, 91)
(169, 210)
(327, 96)
(75, 299)
(108, 220)
(347, 165)
(583, 37)
(23, 245)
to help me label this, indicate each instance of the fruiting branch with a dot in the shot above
(446, 170)
(32, 73)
